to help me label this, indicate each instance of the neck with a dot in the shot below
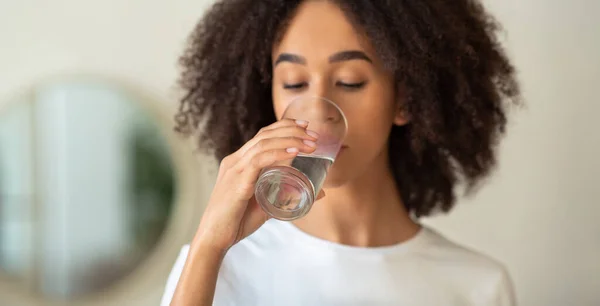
(367, 211)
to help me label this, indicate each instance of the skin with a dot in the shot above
(360, 205)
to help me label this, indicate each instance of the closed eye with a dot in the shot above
(351, 85)
(294, 86)
(341, 84)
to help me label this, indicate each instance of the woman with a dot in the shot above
(424, 86)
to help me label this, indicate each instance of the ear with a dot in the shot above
(401, 116)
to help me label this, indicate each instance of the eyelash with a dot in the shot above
(349, 86)
(294, 86)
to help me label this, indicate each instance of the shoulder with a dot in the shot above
(481, 276)
(459, 255)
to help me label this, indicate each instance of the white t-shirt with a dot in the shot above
(281, 265)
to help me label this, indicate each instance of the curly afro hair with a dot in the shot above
(458, 78)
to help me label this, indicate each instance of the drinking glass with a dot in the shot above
(287, 190)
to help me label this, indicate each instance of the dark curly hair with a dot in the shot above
(458, 79)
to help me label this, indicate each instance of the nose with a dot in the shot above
(319, 109)
(322, 105)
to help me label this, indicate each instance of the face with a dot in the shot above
(322, 54)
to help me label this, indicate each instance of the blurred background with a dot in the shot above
(95, 215)
(86, 188)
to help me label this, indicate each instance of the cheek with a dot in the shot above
(279, 110)
(279, 105)
(367, 138)
(370, 120)
(281, 100)
(369, 131)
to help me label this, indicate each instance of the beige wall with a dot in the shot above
(538, 214)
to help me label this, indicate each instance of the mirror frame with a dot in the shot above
(194, 175)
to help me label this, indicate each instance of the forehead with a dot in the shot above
(320, 28)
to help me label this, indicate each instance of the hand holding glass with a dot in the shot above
(287, 190)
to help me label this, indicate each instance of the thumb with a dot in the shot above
(321, 195)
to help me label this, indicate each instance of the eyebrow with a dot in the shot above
(338, 57)
(348, 56)
(292, 58)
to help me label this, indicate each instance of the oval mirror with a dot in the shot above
(87, 187)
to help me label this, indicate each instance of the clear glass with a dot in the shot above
(287, 191)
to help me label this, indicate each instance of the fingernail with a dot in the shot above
(310, 143)
(291, 150)
(312, 134)
(302, 122)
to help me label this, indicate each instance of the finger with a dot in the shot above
(286, 131)
(278, 124)
(296, 131)
(252, 165)
(279, 143)
(253, 218)
(268, 152)
(321, 195)
(283, 123)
